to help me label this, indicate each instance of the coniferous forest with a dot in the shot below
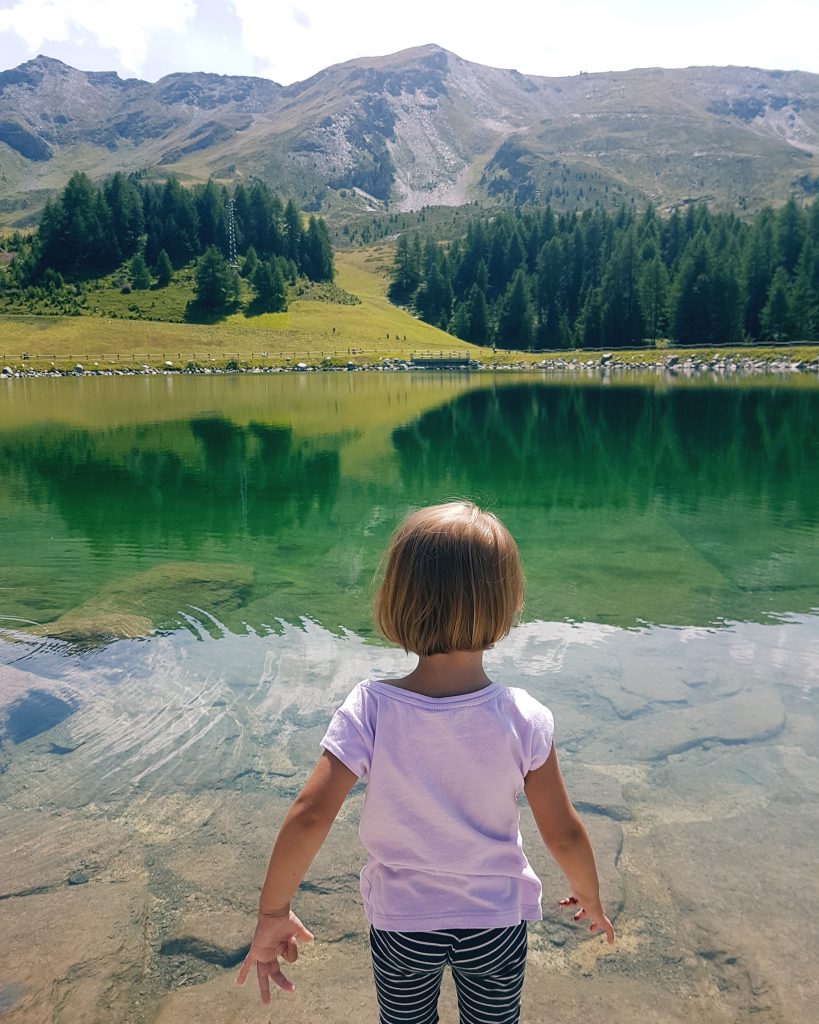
(539, 280)
(89, 231)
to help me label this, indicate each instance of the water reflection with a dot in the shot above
(685, 505)
(182, 481)
(198, 573)
(622, 448)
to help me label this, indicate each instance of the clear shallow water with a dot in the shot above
(185, 581)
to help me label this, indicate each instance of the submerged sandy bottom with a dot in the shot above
(134, 830)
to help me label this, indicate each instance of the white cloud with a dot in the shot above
(300, 17)
(549, 38)
(124, 27)
(291, 41)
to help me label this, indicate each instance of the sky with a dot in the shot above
(290, 41)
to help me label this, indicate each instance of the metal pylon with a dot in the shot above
(232, 256)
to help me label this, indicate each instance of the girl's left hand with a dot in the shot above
(275, 937)
(593, 910)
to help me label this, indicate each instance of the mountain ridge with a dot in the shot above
(421, 127)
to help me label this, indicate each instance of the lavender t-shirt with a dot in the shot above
(440, 820)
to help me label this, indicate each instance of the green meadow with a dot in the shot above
(349, 321)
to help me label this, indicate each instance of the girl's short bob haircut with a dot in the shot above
(452, 581)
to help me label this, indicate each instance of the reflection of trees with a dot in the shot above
(173, 482)
(539, 445)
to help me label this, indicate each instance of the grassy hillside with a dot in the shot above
(314, 327)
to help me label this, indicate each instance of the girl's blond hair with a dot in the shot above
(452, 581)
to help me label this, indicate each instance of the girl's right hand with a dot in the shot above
(591, 909)
(275, 937)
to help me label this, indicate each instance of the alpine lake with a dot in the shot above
(186, 571)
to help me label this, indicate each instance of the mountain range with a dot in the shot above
(421, 127)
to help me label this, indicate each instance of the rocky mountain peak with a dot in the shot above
(420, 127)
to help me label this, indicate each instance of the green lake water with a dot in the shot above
(186, 569)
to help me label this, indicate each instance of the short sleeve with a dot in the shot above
(349, 734)
(543, 731)
(536, 729)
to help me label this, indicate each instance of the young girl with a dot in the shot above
(445, 753)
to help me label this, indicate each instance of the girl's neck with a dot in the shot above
(446, 675)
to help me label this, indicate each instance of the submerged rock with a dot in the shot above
(213, 936)
(93, 625)
(595, 792)
(748, 717)
(32, 704)
(135, 606)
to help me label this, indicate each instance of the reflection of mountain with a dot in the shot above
(202, 478)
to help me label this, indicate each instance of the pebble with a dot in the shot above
(672, 366)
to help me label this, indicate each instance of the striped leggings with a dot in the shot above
(487, 967)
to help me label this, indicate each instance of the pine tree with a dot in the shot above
(317, 257)
(725, 301)
(406, 272)
(474, 252)
(515, 258)
(516, 324)
(790, 235)
(251, 262)
(759, 266)
(270, 288)
(805, 295)
(128, 221)
(210, 203)
(459, 325)
(622, 322)
(600, 279)
(588, 331)
(163, 269)
(140, 274)
(550, 292)
(776, 313)
(496, 262)
(654, 297)
(692, 293)
(480, 325)
(71, 238)
(216, 283)
(178, 227)
(434, 299)
(293, 233)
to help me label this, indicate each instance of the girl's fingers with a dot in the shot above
(244, 970)
(604, 926)
(264, 984)
(278, 978)
(301, 932)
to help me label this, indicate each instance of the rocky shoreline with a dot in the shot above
(674, 365)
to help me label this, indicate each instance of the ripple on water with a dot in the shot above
(189, 749)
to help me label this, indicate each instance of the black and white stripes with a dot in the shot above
(487, 966)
